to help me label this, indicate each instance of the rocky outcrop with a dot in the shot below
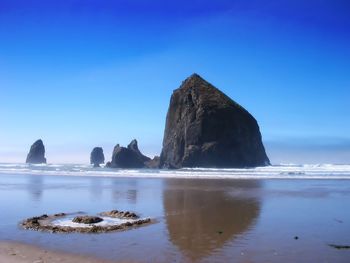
(134, 147)
(36, 153)
(153, 163)
(50, 223)
(87, 219)
(129, 157)
(125, 158)
(205, 128)
(97, 157)
(120, 214)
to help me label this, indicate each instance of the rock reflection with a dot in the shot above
(35, 187)
(96, 188)
(124, 190)
(132, 196)
(201, 215)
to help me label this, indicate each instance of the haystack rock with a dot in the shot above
(129, 157)
(97, 157)
(36, 153)
(205, 128)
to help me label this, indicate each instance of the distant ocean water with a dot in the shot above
(282, 171)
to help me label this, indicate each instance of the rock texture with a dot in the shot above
(97, 157)
(120, 214)
(36, 153)
(135, 148)
(129, 157)
(49, 223)
(87, 219)
(205, 128)
(154, 163)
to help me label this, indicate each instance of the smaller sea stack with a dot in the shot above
(128, 157)
(97, 157)
(36, 153)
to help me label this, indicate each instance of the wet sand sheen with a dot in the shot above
(204, 219)
(11, 252)
(199, 220)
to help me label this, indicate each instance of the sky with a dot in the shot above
(80, 74)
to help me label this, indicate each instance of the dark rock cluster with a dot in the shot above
(205, 128)
(34, 222)
(130, 157)
(124, 157)
(36, 153)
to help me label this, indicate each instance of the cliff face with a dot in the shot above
(205, 128)
(36, 153)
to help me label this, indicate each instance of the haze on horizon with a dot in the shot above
(80, 74)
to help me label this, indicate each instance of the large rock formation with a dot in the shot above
(129, 157)
(205, 128)
(36, 153)
(97, 157)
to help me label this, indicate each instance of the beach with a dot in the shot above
(174, 131)
(11, 252)
(196, 219)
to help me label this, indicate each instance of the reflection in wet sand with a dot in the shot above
(132, 196)
(96, 189)
(35, 187)
(126, 190)
(202, 216)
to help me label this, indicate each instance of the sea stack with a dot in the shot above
(36, 153)
(133, 146)
(128, 157)
(205, 128)
(97, 157)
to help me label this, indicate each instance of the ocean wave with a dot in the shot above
(282, 171)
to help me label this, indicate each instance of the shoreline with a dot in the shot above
(18, 252)
(314, 172)
(248, 178)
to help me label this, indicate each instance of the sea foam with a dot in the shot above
(283, 171)
(107, 221)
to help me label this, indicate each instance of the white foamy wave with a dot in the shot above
(283, 171)
(107, 221)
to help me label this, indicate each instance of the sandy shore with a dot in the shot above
(13, 252)
(197, 220)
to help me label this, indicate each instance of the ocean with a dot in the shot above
(282, 171)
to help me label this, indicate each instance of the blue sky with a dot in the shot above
(80, 74)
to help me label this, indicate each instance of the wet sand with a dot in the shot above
(11, 252)
(198, 220)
